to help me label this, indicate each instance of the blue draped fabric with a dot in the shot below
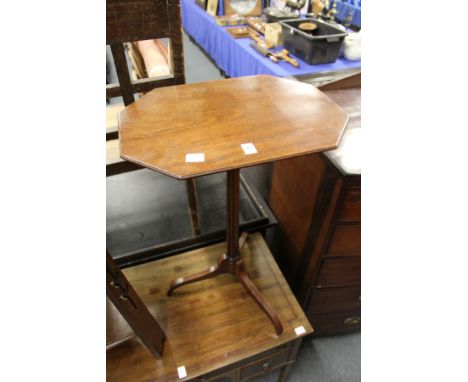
(348, 7)
(235, 56)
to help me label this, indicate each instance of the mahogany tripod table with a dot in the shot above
(187, 131)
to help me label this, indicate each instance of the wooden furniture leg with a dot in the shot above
(291, 359)
(193, 203)
(231, 261)
(133, 309)
(257, 296)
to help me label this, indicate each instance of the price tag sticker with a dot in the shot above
(182, 372)
(249, 148)
(299, 330)
(194, 157)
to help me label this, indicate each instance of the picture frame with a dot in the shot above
(212, 7)
(243, 7)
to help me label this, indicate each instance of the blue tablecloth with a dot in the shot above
(346, 8)
(235, 56)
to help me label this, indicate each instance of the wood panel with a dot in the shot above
(340, 271)
(210, 324)
(345, 240)
(337, 322)
(293, 234)
(264, 365)
(129, 20)
(132, 308)
(350, 210)
(327, 300)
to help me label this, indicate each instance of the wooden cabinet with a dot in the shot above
(317, 202)
(321, 260)
(213, 328)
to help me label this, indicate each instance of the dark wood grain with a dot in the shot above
(121, 67)
(345, 240)
(341, 271)
(232, 214)
(129, 20)
(330, 300)
(351, 208)
(352, 81)
(211, 325)
(282, 118)
(339, 322)
(191, 186)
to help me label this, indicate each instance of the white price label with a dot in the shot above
(182, 372)
(249, 148)
(299, 330)
(194, 157)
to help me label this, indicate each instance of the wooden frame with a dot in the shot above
(132, 308)
(229, 10)
(212, 7)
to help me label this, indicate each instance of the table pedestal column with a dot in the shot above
(231, 262)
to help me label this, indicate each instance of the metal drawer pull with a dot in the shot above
(353, 320)
(265, 366)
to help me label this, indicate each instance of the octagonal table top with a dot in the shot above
(197, 129)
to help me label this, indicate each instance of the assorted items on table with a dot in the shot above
(315, 39)
(235, 57)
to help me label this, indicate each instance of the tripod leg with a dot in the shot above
(258, 297)
(213, 271)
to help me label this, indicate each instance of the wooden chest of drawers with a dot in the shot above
(322, 260)
(213, 328)
(317, 202)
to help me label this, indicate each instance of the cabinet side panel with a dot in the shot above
(294, 189)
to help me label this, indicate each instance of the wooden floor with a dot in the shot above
(209, 324)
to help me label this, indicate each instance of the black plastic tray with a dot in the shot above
(322, 47)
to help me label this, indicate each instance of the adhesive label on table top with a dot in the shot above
(194, 157)
(249, 148)
(182, 372)
(299, 330)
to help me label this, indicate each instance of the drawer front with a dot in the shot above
(340, 272)
(227, 372)
(345, 240)
(351, 208)
(265, 365)
(227, 377)
(336, 323)
(327, 300)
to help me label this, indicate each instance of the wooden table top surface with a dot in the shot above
(281, 118)
(209, 324)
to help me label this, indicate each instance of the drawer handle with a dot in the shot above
(352, 320)
(265, 366)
